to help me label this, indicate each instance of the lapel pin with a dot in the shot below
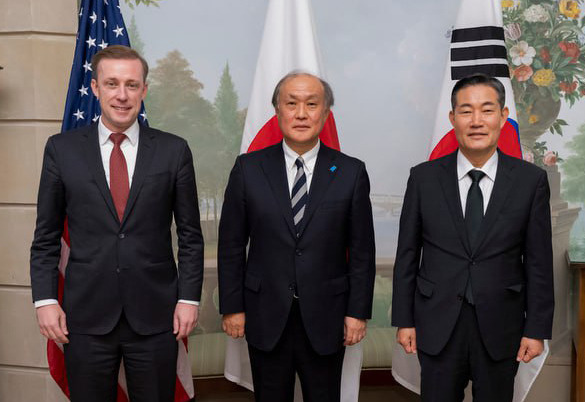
(333, 168)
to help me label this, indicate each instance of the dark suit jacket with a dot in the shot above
(330, 262)
(510, 265)
(113, 265)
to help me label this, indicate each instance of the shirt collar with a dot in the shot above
(131, 133)
(309, 157)
(489, 168)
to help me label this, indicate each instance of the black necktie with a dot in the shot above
(299, 194)
(473, 218)
(474, 206)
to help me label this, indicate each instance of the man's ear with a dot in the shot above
(145, 90)
(452, 117)
(94, 88)
(505, 114)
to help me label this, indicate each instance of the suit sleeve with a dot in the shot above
(190, 239)
(362, 251)
(538, 265)
(407, 260)
(46, 246)
(233, 238)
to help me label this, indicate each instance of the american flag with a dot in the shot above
(100, 25)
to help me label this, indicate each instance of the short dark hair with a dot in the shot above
(118, 52)
(327, 91)
(479, 79)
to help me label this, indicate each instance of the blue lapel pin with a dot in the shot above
(333, 168)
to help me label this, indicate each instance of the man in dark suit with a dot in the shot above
(119, 185)
(304, 287)
(480, 298)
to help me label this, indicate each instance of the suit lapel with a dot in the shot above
(146, 148)
(502, 186)
(274, 168)
(450, 186)
(322, 178)
(94, 160)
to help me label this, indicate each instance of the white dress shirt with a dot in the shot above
(129, 148)
(486, 184)
(309, 161)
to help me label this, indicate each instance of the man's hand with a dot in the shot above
(184, 319)
(52, 323)
(529, 349)
(233, 324)
(407, 338)
(354, 330)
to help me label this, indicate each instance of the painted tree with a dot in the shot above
(574, 169)
(574, 185)
(175, 105)
(134, 35)
(228, 120)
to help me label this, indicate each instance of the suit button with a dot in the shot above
(298, 235)
(459, 297)
(122, 235)
(298, 252)
(117, 270)
(291, 287)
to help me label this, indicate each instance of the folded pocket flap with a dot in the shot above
(425, 287)
(516, 288)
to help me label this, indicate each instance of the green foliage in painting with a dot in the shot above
(574, 169)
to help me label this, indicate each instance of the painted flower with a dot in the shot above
(513, 31)
(533, 119)
(544, 77)
(528, 156)
(570, 49)
(536, 13)
(544, 54)
(549, 158)
(582, 91)
(507, 3)
(569, 8)
(521, 53)
(523, 73)
(568, 87)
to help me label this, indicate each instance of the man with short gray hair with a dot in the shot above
(296, 258)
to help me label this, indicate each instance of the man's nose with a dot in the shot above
(122, 93)
(301, 111)
(476, 119)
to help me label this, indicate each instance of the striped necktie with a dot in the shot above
(299, 194)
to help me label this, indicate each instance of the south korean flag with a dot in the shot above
(477, 46)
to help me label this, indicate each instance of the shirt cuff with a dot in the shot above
(45, 302)
(191, 302)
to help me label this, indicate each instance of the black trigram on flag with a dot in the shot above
(479, 50)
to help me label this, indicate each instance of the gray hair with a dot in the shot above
(327, 91)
